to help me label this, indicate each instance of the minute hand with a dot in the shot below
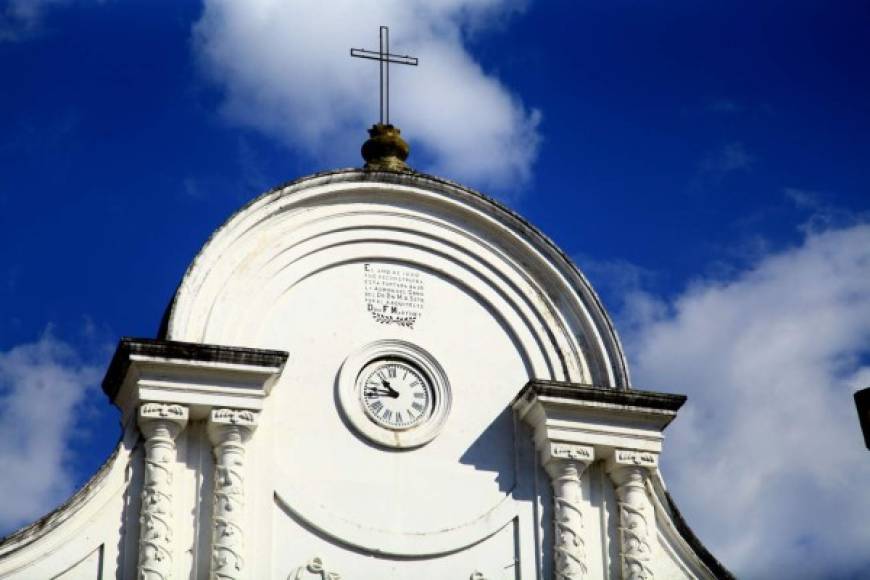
(373, 392)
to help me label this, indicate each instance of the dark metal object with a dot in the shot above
(862, 403)
(384, 57)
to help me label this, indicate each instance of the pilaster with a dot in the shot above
(565, 464)
(629, 471)
(160, 424)
(229, 431)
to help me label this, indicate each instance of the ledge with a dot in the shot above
(594, 394)
(198, 376)
(604, 418)
(129, 348)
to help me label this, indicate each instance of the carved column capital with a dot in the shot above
(160, 424)
(629, 471)
(553, 452)
(631, 458)
(229, 430)
(233, 424)
(162, 416)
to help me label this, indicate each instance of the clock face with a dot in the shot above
(395, 395)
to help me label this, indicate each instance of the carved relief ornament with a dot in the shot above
(631, 457)
(313, 569)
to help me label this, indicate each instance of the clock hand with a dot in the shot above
(373, 392)
(393, 392)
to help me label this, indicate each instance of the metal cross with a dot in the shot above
(385, 58)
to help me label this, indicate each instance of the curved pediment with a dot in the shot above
(294, 235)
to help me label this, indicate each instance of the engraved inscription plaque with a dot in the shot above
(393, 294)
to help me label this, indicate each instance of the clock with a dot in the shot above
(394, 393)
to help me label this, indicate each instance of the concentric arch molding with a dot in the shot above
(296, 230)
(408, 543)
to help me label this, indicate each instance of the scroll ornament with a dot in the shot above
(313, 569)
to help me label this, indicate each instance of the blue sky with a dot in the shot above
(707, 165)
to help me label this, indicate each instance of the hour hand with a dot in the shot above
(391, 391)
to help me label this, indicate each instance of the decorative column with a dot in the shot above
(160, 424)
(629, 471)
(565, 463)
(229, 430)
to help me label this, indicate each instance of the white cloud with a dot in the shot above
(43, 386)
(767, 459)
(286, 71)
(20, 19)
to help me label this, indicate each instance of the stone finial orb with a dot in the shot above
(385, 149)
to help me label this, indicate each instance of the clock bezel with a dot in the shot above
(351, 404)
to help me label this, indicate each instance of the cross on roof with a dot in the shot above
(385, 58)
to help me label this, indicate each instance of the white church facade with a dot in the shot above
(375, 374)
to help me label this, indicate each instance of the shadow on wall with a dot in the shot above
(506, 447)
